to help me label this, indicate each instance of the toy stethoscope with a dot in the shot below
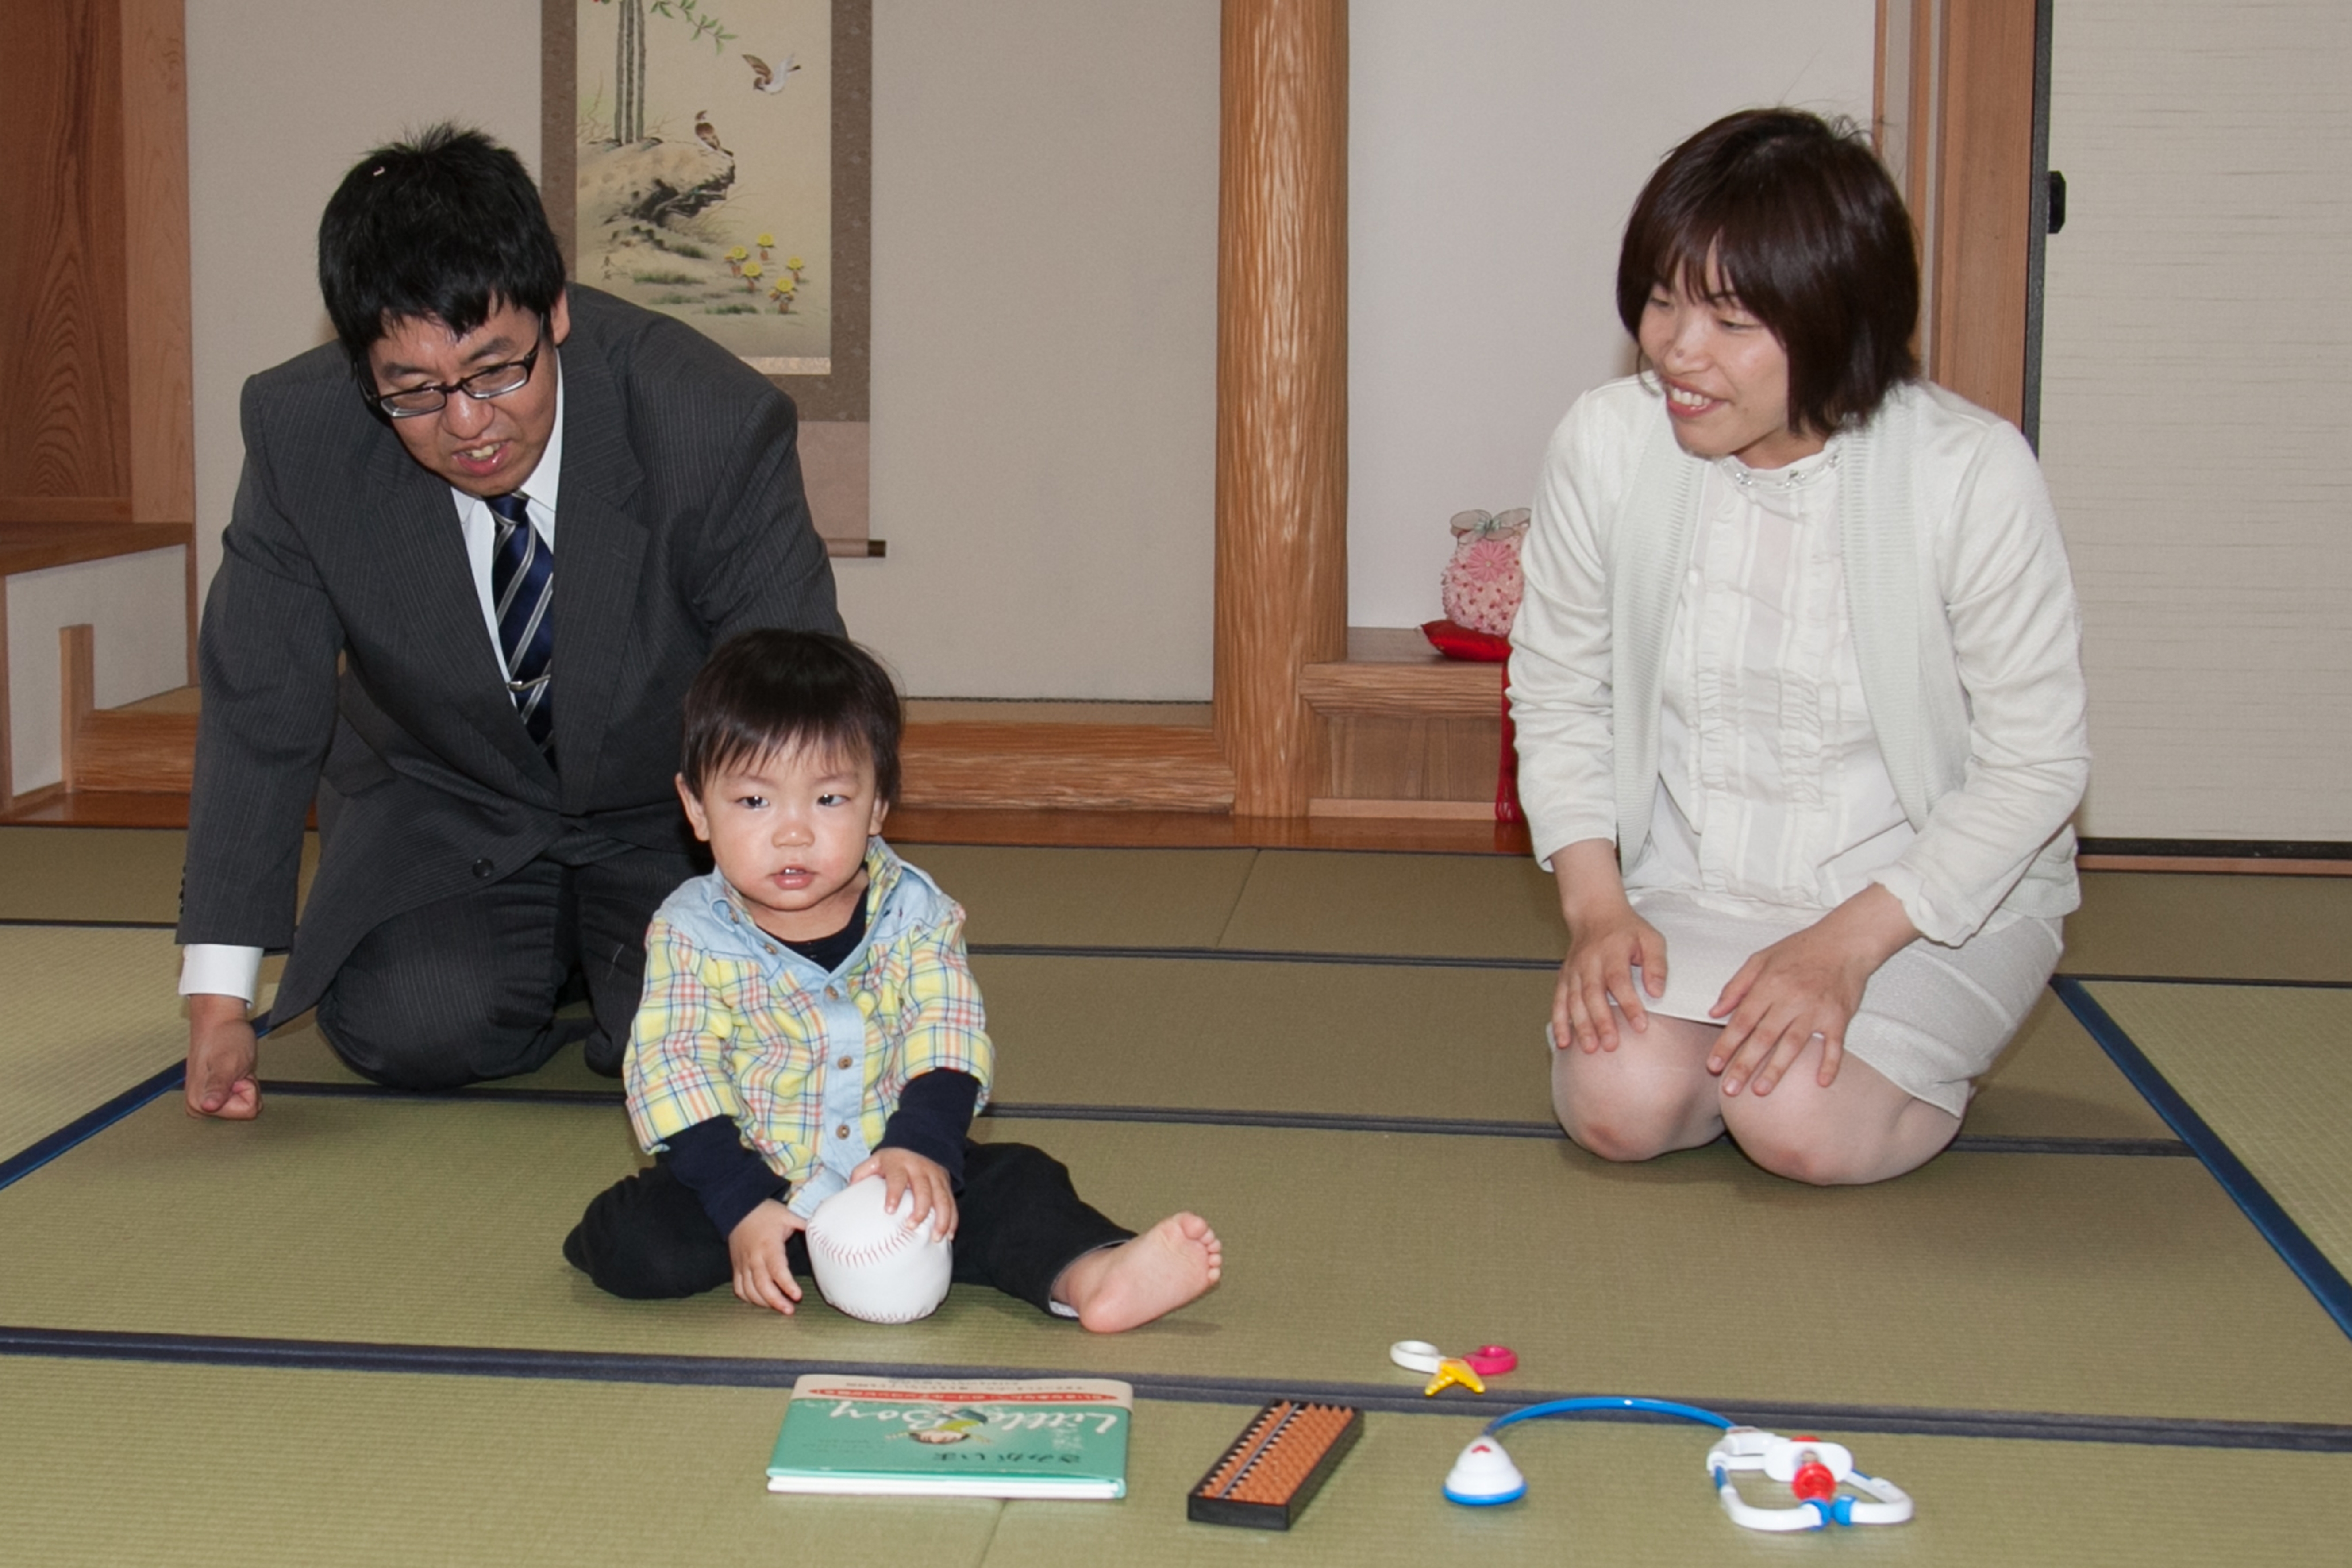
(1811, 1469)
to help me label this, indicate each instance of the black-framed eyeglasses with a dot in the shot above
(490, 381)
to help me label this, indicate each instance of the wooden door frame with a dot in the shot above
(1958, 114)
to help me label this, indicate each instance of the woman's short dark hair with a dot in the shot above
(447, 226)
(766, 693)
(1799, 222)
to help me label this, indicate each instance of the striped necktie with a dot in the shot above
(522, 592)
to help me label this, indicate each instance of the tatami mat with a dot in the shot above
(121, 874)
(2132, 922)
(88, 1013)
(1620, 1496)
(2270, 1069)
(1332, 1038)
(2005, 1281)
(1089, 898)
(2055, 1081)
(115, 1464)
(1339, 1040)
(1449, 906)
(2195, 925)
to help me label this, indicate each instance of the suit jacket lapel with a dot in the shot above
(423, 554)
(598, 551)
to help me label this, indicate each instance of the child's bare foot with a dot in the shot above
(1123, 1287)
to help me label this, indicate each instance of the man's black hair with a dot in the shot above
(773, 691)
(447, 226)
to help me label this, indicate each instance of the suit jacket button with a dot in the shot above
(482, 869)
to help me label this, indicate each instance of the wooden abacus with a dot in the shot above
(1275, 1465)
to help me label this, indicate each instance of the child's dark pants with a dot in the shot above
(1019, 1222)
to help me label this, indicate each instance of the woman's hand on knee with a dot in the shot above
(1802, 985)
(1603, 952)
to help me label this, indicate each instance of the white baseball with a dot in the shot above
(869, 1264)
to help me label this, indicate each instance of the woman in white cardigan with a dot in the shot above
(1798, 688)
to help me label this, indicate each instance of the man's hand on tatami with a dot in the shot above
(222, 1053)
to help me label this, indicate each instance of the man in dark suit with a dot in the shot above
(480, 547)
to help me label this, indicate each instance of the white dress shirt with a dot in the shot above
(222, 969)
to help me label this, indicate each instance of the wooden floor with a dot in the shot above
(946, 824)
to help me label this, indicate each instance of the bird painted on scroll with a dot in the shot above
(702, 128)
(766, 78)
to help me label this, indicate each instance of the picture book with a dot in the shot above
(1009, 1437)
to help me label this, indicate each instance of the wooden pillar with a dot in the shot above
(1282, 388)
(161, 386)
(1956, 125)
(63, 418)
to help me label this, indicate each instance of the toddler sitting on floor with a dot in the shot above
(809, 1019)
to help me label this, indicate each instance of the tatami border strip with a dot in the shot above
(31, 1158)
(2313, 1267)
(1286, 955)
(1256, 956)
(1190, 1116)
(2209, 980)
(744, 1372)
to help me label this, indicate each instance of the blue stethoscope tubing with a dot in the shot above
(1613, 1402)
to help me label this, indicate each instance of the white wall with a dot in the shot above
(1044, 276)
(284, 96)
(1045, 348)
(1496, 147)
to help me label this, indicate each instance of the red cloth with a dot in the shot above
(1460, 642)
(1484, 647)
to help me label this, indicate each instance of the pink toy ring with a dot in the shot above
(1486, 1361)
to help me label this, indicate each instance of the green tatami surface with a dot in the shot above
(2270, 1069)
(120, 874)
(2186, 925)
(2195, 925)
(89, 1013)
(2054, 1081)
(2057, 1283)
(120, 1465)
(1325, 1040)
(1128, 990)
(1447, 906)
(1089, 898)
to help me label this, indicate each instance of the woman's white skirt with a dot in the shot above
(1932, 1018)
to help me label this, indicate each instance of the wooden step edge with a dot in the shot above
(1438, 689)
(153, 753)
(1402, 810)
(1115, 767)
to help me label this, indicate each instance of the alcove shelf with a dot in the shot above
(1406, 732)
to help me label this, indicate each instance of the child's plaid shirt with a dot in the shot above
(809, 1065)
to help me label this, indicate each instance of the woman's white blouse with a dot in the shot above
(1963, 631)
(1771, 787)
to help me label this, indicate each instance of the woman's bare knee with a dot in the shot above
(1650, 1095)
(1869, 1132)
(1616, 1138)
(1810, 1160)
